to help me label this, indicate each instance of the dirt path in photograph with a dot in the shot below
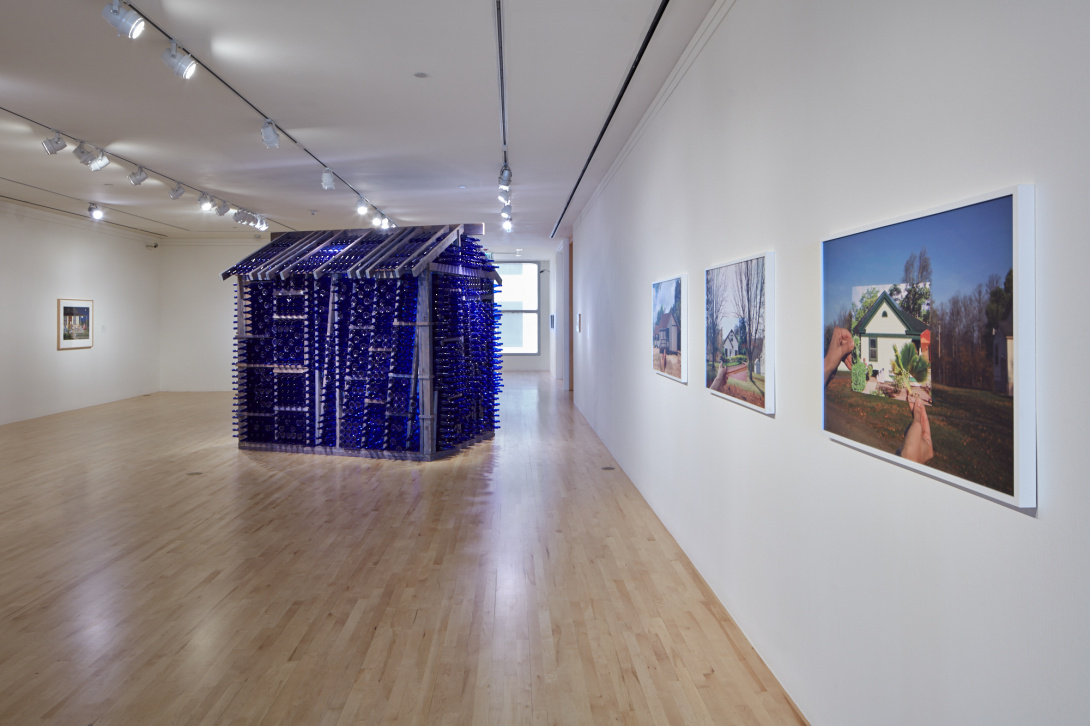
(737, 373)
(672, 366)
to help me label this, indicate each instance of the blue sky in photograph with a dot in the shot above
(966, 246)
(663, 296)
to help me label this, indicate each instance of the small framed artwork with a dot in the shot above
(928, 352)
(669, 325)
(75, 324)
(739, 344)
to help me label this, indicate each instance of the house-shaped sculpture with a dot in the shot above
(367, 342)
(883, 330)
(667, 334)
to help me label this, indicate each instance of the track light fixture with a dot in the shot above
(506, 211)
(94, 211)
(55, 144)
(177, 191)
(99, 162)
(182, 65)
(85, 155)
(223, 208)
(327, 179)
(376, 220)
(507, 225)
(505, 178)
(127, 21)
(385, 223)
(505, 196)
(138, 177)
(361, 205)
(269, 134)
(205, 201)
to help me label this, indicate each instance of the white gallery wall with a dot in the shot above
(197, 321)
(45, 256)
(876, 595)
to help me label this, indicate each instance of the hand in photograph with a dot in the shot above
(841, 346)
(917, 446)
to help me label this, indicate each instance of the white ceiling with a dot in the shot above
(338, 76)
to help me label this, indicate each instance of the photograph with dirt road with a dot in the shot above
(735, 325)
(667, 318)
(919, 314)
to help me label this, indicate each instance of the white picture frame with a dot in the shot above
(75, 323)
(670, 327)
(740, 295)
(983, 433)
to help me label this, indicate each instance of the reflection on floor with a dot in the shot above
(153, 573)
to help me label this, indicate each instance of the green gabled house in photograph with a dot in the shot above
(884, 329)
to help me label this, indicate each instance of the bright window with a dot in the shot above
(518, 301)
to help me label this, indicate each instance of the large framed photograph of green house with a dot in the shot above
(739, 345)
(928, 349)
(669, 325)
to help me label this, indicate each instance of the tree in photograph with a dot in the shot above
(748, 301)
(999, 307)
(716, 301)
(676, 309)
(917, 290)
(867, 299)
(962, 334)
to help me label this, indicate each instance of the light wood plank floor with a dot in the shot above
(152, 573)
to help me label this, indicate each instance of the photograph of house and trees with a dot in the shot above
(735, 312)
(919, 315)
(666, 321)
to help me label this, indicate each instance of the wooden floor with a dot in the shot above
(152, 573)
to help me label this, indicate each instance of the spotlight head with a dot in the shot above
(361, 205)
(127, 21)
(261, 225)
(177, 191)
(94, 211)
(239, 216)
(138, 177)
(55, 144)
(327, 179)
(223, 209)
(507, 225)
(99, 162)
(385, 223)
(376, 221)
(181, 63)
(269, 134)
(85, 155)
(505, 196)
(506, 211)
(505, 177)
(205, 201)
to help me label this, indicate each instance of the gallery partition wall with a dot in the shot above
(877, 592)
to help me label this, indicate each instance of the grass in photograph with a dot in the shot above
(972, 431)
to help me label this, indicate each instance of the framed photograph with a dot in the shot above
(739, 345)
(75, 324)
(929, 343)
(669, 325)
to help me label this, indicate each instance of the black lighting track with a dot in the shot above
(503, 79)
(612, 111)
(247, 101)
